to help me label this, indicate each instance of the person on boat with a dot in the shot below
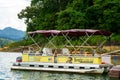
(69, 60)
(95, 53)
(55, 56)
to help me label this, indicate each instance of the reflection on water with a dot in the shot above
(6, 60)
(35, 75)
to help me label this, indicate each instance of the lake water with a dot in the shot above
(6, 60)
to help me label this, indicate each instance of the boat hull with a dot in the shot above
(59, 67)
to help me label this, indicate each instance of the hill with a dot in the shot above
(12, 34)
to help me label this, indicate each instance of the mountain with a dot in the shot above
(12, 34)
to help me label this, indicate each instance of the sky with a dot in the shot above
(8, 13)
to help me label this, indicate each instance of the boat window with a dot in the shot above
(71, 67)
(60, 67)
(50, 66)
(32, 65)
(92, 67)
(81, 67)
(41, 66)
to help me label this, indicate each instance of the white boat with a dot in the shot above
(59, 67)
(62, 60)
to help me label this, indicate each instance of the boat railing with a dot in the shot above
(60, 52)
(62, 55)
(82, 46)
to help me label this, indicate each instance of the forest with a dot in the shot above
(73, 14)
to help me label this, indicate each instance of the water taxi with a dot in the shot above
(63, 60)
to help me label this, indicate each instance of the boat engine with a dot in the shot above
(19, 59)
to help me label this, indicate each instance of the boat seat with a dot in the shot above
(65, 51)
(47, 51)
(75, 52)
(58, 51)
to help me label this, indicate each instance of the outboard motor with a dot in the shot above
(19, 59)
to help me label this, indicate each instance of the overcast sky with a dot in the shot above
(8, 13)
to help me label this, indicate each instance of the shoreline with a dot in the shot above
(20, 50)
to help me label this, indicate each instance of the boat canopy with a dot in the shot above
(71, 32)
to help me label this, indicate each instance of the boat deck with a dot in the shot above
(60, 67)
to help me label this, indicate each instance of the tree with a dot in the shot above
(72, 14)
(70, 19)
(104, 15)
(68, 14)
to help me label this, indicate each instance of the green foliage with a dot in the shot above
(72, 14)
(4, 42)
(70, 19)
(20, 43)
(104, 14)
(68, 14)
(115, 39)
